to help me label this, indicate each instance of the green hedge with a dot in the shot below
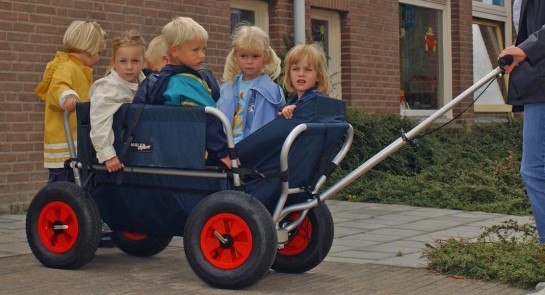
(473, 168)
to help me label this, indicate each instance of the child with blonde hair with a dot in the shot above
(305, 76)
(157, 54)
(67, 80)
(157, 58)
(179, 83)
(116, 88)
(249, 97)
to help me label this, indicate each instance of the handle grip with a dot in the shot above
(505, 60)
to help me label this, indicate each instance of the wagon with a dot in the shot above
(267, 212)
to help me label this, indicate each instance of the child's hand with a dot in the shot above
(113, 164)
(70, 103)
(225, 160)
(287, 111)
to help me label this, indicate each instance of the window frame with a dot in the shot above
(492, 108)
(260, 9)
(443, 6)
(334, 41)
(491, 15)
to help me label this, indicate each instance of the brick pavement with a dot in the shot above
(364, 259)
(113, 272)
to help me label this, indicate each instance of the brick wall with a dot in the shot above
(462, 55)
(31, 32)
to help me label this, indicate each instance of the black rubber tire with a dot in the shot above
(63, 247)
(319, 243)
(147, 246)
(252, 221)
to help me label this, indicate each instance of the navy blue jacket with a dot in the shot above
(309, 94)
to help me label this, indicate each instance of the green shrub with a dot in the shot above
(473, 168)
(508, 253)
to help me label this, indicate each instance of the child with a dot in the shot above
(157, 58)
(305, 75)
(249, 97)
(156, 54)
(109, 93)
(179, 83)
(66, 80)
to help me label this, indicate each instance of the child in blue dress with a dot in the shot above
(248, 96)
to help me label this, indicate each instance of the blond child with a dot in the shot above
(248, 96)
(157, 58)
(305, 75)
(179, 83)
(157, 54)
(67, 80)
(116, 88)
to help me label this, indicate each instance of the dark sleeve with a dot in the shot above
(141, 93)
(534, 46)
(216, 141)
(212, 83)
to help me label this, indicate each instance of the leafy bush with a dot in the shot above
(473, 168)
(508, 253)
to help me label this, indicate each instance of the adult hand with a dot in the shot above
(517, 54)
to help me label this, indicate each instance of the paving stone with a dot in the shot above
(377, 249)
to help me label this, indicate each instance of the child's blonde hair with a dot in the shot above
(183, 29)
(128, 38)
(84, 37)
(253, 39)
(315, 57)
(157, 48)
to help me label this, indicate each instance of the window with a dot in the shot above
(424, 36)
(487, 44)
(241, 16)
(492, 2)
(492, 30)
(326, 32)
(250, 11)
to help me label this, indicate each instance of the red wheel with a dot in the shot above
(226, 241)
(230, 240)
(308, 244)
(63, 226)
(140, 244)
(134, 236)
(300, 240)
(58, 227)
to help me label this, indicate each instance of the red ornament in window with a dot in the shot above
(429, 40)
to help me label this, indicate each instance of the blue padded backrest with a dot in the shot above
(261, 150)
(164, 137)
(267, 141)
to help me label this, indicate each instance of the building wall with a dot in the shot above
(462, 54)
(31, 33)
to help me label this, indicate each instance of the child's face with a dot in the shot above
(190, 53)
(302, 76)
(250, 63)
(128, 62)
